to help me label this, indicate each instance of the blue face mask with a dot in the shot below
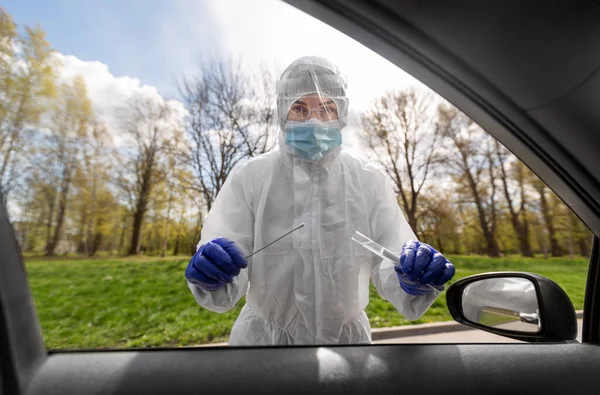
(313, 138)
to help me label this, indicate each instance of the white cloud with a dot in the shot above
(274, 33)
(236, 29)
(109, 93)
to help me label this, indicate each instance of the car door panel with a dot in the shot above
(409, 369)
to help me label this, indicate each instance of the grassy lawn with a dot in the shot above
(144, 302)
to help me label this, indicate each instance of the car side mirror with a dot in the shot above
(522, 306)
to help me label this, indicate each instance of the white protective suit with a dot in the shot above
(312, 286)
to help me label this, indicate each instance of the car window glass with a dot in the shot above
(115, 146)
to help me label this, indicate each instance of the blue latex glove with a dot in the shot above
(422, 265)
(215, 264)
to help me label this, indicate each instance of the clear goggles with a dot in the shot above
(302, 112)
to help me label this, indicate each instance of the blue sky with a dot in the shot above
(130, 47)
(159, 41)
(134, 38)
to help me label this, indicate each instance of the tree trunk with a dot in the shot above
(524, 236)
(520, 227)
(412, 220)
(555, 249)
(522, 230)
(554, 245)
(492, 248)
(542, 241)
(49, 222)
(176, 248)
(140, 211)
(570, 241)
(91, 241)
(197, 234)
(166, 235)
(585, 239)
(62, 208)
(438, 235)
(178, 241)
(121, 237)
(38, 230)
(81, 245)
(138, 219)
(584, 249)
(96, 244)
(525, 247)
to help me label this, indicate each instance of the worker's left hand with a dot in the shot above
(422, 266)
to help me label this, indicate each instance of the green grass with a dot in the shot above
(493, 318)
(145, 302)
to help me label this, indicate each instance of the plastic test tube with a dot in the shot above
(384, 253)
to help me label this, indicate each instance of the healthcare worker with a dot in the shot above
(312, 286)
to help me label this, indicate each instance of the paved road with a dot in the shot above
(467, 336)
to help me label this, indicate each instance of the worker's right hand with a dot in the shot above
(215, 264)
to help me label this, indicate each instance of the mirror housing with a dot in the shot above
(557, 319)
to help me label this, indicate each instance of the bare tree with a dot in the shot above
(42, 183)
(152, 125)
(401, 137)
(439, 223)
(230, 118)
(518, 215)
(96, 151)
(585, 237)
(473, 167)
(27, 73)
(71, 120)
(547, 211)
(172, 166)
